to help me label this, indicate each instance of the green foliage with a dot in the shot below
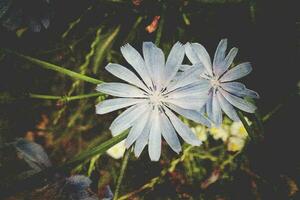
(77, 138)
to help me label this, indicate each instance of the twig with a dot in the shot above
(246, 125)
(64, 98)
(120, 179)
(57, 68)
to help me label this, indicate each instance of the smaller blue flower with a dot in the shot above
(225, 93)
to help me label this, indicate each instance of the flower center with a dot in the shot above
(156, 98)
(214, 82)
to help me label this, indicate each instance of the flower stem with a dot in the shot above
(57, 68)
(246, 125)
(102, 148)
(64, 98)
(121, 176)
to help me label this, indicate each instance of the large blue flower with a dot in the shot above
(153, 94)
(224, 91)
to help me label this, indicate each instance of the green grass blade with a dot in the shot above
(57, 68)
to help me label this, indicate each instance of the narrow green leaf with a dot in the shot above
(122, 172)
(246, 125)
(57, 68)
(92, 165)
(98, 150)
(65, 98)
(73, 24)
(102, 45)
(89, 56)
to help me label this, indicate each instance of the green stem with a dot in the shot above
(57, 68)
(120, 179)
(246, 125)
(98, 149)
(270, 114)
(279, 106)
(64, 98)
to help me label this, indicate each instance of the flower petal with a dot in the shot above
(219, 55)
(208, 106)
(142, 140)
(239, 89)
(196, 116)
(136, 61)
(216, 111)
(249, 93)
(126, 119)
(197, 53)
(187, 77)
(199, 88)
(189, 102)
(126, 75)
(154, 148)
(229, 59)
(233, 87)
(227, 107)
(155, 61)
(185, 67)
(174, 61)
(183, 130)
(120, 90)
(136, 129)
(237, 72)
(169, 133)
(115, 104)
(238, 102)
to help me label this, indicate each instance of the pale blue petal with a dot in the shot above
(219, 56)
(233, 87)
(249, 93)
(187, 77)
(238, 102)
(237, 72)
(136, 61)
(173, 63)
(227, 107)
(216, 111)
(126, 75)
(136, 129)
(199, 88)
(115, 104)
(239, 89)
(33, 154)
(191, 53)
(189, 102)
(142, 140)
(196, 116)
(228, 60)
(184, 67)
(183, 130)
(127, 118)
(209, 106)
(155, 62)
(154, 148)
(197, 53)
(169, 133)
(120, 90)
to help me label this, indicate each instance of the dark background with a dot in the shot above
(269, 40)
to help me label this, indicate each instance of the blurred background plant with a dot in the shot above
(58, 112)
